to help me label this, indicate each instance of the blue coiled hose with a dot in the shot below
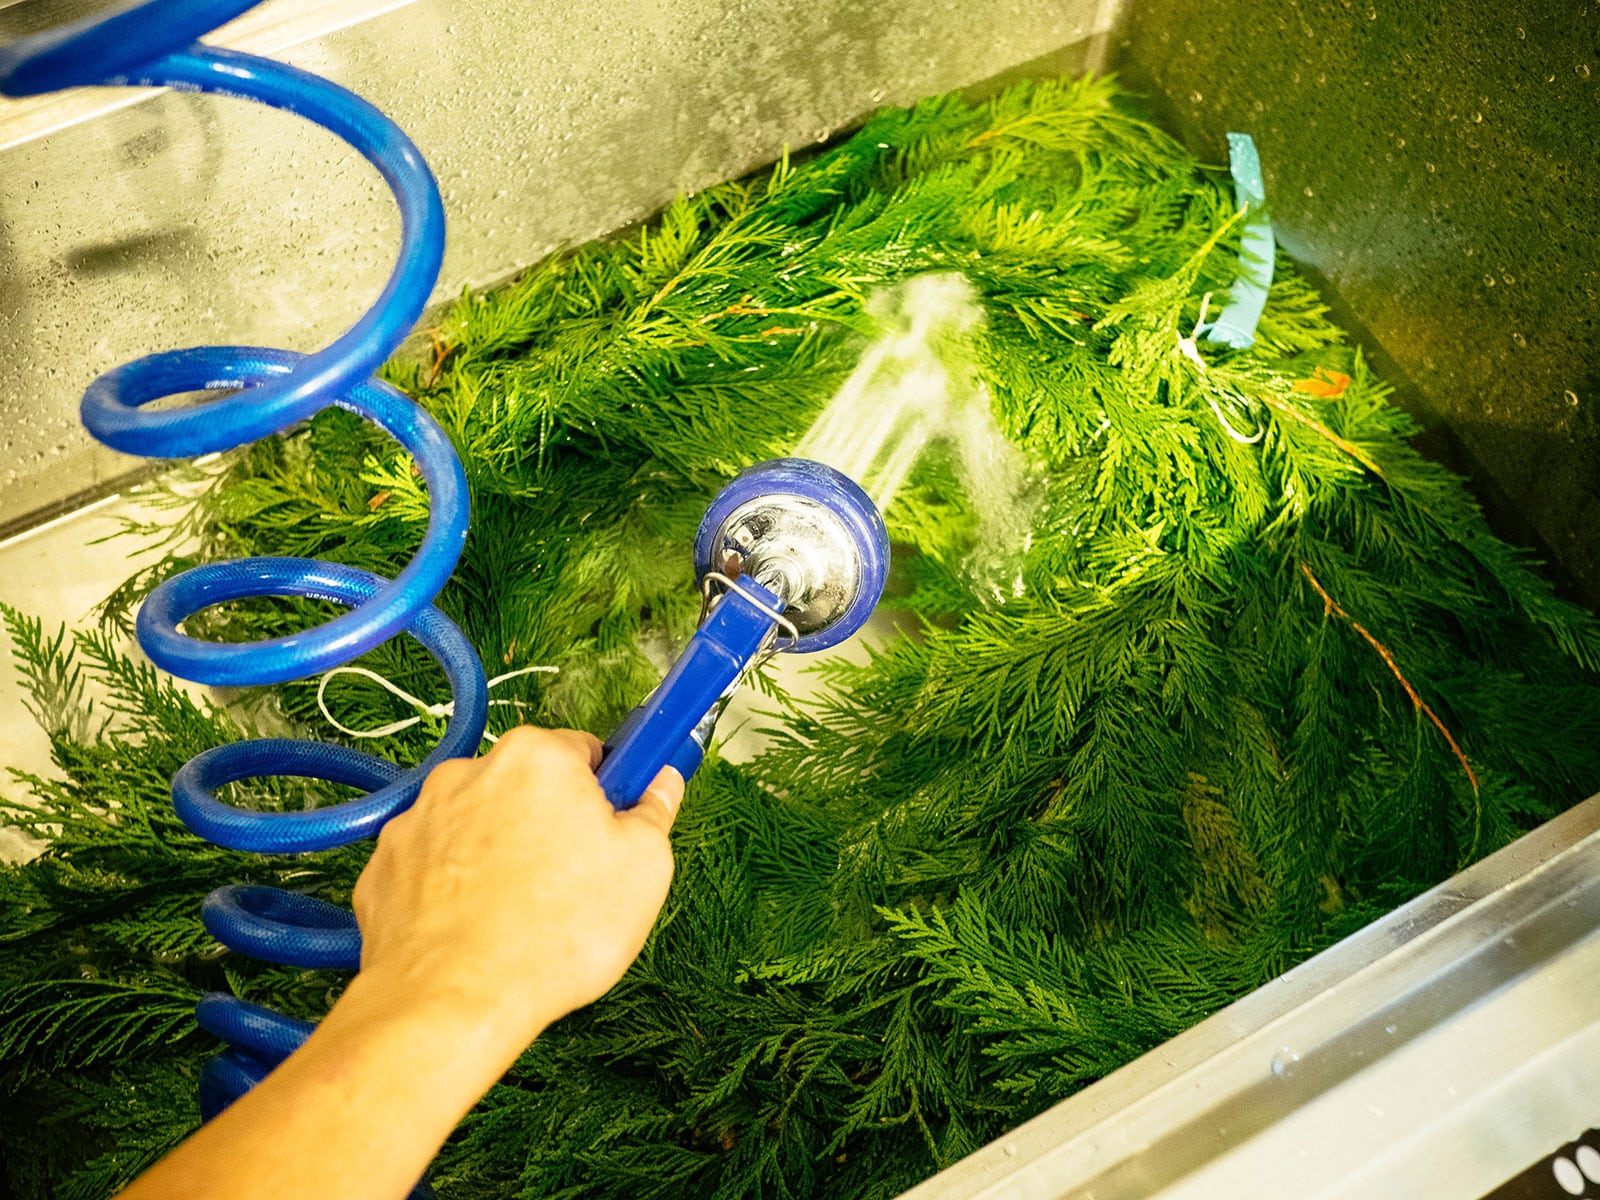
(153, 45)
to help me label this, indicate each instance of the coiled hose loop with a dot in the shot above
(148, 45)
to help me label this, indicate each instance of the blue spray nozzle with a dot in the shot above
(798, 555)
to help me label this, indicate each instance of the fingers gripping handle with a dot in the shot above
(658, 732)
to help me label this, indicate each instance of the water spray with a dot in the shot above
(792, 555)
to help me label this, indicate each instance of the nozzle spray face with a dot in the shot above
(797, 549)
(807, 533)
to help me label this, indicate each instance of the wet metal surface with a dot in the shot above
(1439, 166)
(186, 219)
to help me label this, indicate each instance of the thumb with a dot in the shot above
(660, 802)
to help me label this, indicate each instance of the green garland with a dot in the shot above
(1254, 695)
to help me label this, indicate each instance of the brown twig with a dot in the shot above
(440, 353)
(741, 309)
(667, 289)
(1331, 607)
(999, 131)
(1354, 451)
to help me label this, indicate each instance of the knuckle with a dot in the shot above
(524, 741)
(530, 744)
(655, 850)
(449, 775)
(662, 800)
(394, 831)
(665, 867)
(664, 858)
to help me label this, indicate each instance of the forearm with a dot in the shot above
(479, 926)
(357, 1112)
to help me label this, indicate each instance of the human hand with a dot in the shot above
(510, 894)
(511, 889)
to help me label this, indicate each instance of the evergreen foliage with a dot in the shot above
(1254, 694)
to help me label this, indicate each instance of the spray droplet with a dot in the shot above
(1284, 1063)
(915, 387)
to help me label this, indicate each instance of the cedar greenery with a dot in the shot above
(1253, 696)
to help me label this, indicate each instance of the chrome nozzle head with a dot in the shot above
(807, 533)
(798, 549)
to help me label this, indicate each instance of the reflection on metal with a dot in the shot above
(1436, 164)
(1432, 1056)
(186, 220)
(269, 30)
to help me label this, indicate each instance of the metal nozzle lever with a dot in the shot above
(796, 547)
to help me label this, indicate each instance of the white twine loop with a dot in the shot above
(1231, 431)
(424, 708)
(1189, 347)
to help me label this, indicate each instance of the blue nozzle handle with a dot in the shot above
(688, 756)
(659, 732)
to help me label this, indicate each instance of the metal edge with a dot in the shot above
(1386, 960)
(274, 27)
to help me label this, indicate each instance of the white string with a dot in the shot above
(1231, 431)
(1188, 346)
(424, 708)
(1190, 349)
